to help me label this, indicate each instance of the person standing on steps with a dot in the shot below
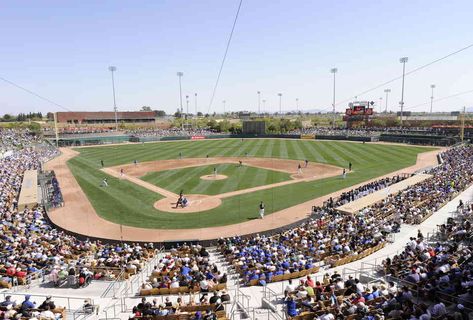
(261, 210)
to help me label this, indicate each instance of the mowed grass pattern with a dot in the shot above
(126, 203)
(188, 179)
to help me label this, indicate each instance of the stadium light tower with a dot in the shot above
(112, 69)
(224, 102)
(387, 91)
(403, 60)
(280, 104)
(180, 74)
(334, 71)
(264, 104)
(432, 86)
(259, 102)
(187, 106)
(195, 103)
(297, 104)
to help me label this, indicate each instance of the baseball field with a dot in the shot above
(144, 180)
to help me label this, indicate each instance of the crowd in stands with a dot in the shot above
(431, 279)
(334, 297)
(11, 139)
(30, 245)
(79, 130)
(183, 270)
(155, 132)
(329, 236)
(27, 309)
(416, 203)
(372, 131)
(364, 190)
(207, 306)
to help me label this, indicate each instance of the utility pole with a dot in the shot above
(403, 61)
(334, 71)
(432, 86)
(462, 130)
(112, 69)
(280, 104)
(56, 130)
(387, 91)
(259, 102)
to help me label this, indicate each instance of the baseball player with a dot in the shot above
(261, 210)
(215, 172)
(306, 163)
(344, 174)
(299, 169)
(349, 166)
(104, 182)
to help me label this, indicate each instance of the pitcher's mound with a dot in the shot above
(214, 177)
(197, 203)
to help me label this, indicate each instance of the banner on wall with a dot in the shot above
(308, 136)
(197, 137)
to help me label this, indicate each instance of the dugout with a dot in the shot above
(90, 140)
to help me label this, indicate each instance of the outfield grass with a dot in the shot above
(188, 179)
(126, 203)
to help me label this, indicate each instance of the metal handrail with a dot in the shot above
(43, 296)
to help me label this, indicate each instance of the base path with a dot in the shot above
(79, 216)
(313, 171)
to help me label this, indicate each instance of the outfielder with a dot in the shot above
(261, 210)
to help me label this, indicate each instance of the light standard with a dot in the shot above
(387, 91)
(403, 60)
(297, 104)
(432, 86)
(259, 102)
(380, 104)
(334, 71)
(224, 101)
(187, 106)
(195, 103)
(180, 74)
(112, 69)
(280, 104)
(264, 104)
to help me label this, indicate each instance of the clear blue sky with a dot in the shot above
(61, 50)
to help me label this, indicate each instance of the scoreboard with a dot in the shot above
(359, 108)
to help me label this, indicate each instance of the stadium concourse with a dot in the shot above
(360, 266)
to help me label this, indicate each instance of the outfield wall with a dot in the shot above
(397, 138)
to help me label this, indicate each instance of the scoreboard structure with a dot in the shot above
(257, 127)
(358, 111)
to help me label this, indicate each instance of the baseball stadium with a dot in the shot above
(320, 209)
